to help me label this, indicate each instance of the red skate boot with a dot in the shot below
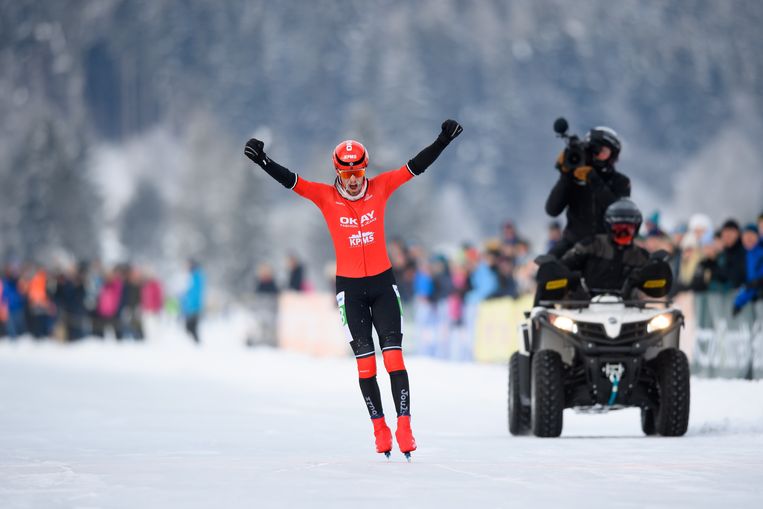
(404, 436)
(383, 436)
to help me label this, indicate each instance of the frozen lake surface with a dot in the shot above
(166, 424)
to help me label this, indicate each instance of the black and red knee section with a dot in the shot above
(392, 350)
(367, 367)
(393, 361)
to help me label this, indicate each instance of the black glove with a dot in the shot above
(450, 130)
(735, 310)
(254, 150)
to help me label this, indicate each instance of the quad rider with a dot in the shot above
(606, 261)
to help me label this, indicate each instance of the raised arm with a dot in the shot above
(450, 130)
(254, 150)
(558, 198)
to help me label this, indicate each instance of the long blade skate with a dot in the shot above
(383, 437)
(404, 436)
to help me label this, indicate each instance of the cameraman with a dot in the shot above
(587, 190)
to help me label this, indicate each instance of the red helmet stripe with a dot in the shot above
(350, 154)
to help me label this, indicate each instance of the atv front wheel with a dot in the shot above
(547, 390)
(519, 414)
(672, 415)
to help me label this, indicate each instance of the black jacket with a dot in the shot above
(730, 270)
(70, 296)
(603, 264)
(296, 278)
(586, 202)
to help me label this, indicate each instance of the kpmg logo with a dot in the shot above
(363, 238)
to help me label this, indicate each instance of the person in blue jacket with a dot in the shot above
(753, 287)
(15, 302)
(192, 302)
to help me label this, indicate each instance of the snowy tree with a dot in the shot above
(49, 200)
(665, 76)
(220, 216)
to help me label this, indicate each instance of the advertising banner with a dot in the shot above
(726, 346)
(496, 330)
(310, 323)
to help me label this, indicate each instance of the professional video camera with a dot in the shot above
(578, 152)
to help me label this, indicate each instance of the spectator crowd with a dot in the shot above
(442, 292)
(78, 301)
(723, 259)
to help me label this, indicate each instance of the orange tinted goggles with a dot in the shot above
(357, 173)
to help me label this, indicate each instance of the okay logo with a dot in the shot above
(364, 219)
(367, 218)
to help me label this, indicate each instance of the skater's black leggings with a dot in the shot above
(374, 301)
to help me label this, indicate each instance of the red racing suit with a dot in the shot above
(357, 227)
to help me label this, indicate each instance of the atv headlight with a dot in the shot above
(563, 323)
(659, 322)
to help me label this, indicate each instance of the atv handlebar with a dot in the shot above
(642, 303)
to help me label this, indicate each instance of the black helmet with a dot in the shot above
(603, 136)
(623, 219)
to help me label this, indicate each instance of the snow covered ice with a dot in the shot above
(166, 424)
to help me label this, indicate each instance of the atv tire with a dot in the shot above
(519, 414)
(672, 415)
(547, 391)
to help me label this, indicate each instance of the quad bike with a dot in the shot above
(600, 352)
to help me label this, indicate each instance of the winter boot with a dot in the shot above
(383, 436)
(404, 435)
